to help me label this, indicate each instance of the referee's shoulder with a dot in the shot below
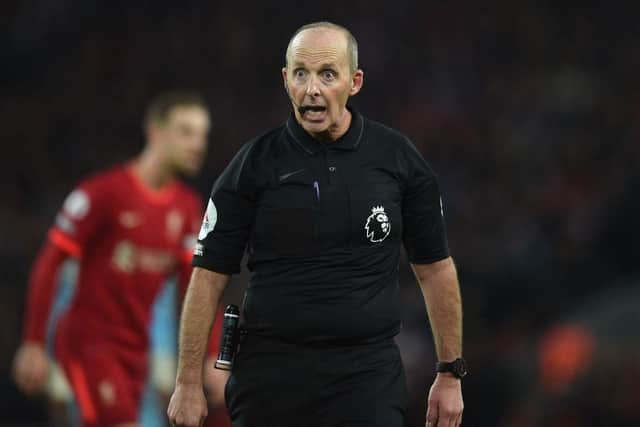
(387, 135)
(261, 144)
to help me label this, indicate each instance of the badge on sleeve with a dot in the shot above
(76, 205)
(209, 220)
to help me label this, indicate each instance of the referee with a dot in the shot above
(323, 203)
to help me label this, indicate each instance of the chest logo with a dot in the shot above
(378, 226)
(130, 219)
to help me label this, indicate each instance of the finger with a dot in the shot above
(432, 413)
(459, 423)
(454, 421)
(193, 422)
(443, 421)
(444, 417)
(455, 416)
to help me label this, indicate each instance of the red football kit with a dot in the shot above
(130, 240)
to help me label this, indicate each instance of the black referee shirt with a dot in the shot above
(323, 223)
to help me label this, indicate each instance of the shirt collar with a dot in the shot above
(349, 141)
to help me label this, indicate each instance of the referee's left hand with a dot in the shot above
(444, 407)
(188, 406)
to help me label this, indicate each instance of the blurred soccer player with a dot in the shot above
(131, 227)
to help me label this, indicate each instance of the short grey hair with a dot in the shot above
(352, 44)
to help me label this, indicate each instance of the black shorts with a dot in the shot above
(276, 384)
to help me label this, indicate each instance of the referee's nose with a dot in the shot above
(312, 87)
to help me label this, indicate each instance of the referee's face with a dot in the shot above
(319, 81)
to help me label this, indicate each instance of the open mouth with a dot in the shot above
(311, 109)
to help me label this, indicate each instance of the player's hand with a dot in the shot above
(188, 406)
(444, 407)
(31, 367)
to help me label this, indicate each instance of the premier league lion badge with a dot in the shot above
(378, 225)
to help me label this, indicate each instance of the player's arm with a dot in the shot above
(188, 406)
(31, 363)
(82, 215)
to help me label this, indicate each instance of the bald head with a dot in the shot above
(349, 46)
(320, 75)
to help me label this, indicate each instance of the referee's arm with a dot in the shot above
(188, 406)
(441, 291)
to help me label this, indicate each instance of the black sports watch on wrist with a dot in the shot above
(458, 367)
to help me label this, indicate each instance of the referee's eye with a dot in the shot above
(328, 75)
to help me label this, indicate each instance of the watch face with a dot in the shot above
(460, 367)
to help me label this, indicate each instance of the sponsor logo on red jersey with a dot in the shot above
(130, 219)
(130, 258)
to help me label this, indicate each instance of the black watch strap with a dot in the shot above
(458, 367)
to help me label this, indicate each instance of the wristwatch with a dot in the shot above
(458, 367)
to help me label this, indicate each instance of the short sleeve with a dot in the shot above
(424, 234)
(81, 215)
(228, 217)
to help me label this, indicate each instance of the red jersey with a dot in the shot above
(129, 240)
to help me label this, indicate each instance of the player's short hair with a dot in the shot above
(160, 106)
(352, 43)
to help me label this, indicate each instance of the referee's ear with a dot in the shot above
(357, 81)
(284, 81)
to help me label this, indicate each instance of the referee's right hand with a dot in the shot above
(188, 406)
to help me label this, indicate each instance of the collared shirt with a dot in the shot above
(323, 224)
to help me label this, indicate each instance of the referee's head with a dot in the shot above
(320, 75)
(352, 43)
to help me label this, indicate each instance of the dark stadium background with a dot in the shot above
(528, 110)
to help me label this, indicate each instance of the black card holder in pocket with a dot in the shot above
(286, 231)
(286, 216)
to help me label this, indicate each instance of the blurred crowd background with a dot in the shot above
(529, 111)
